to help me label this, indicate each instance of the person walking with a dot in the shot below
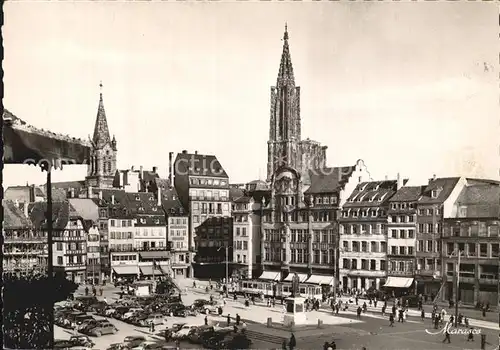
(238, 319)
(293, 343)
(228, 319)
(391, 320)
(446, 335)
(359, 312)
(86, 291)
(422, 314)
(470, 336)
(206, 321)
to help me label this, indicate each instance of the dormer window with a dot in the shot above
(394, 206)
(434, 193)
(137, 198)
(141, 209)
(354, 214)
(155, 209)
(143, 221)
(173, 197)
(157, 221)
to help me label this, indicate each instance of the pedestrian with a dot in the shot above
(484, 311)
(86, 291)
(375, 303)
(228, 319)
(365, 307)
(391, 320)
(293, 342)
(470, 336)
(206, 321)
(356, 300)
(422, 314)
(394, 310)
(152, 327)
(401, 315)
(383, 310)
(238, 319)
(466, 321)
(94, 291)
(178, 344)
(446, 335)
(105, 300)
(359, 312)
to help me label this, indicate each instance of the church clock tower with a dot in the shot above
(102, 165)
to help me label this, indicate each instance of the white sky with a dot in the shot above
(400, 85)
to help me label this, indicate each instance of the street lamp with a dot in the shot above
(458, 253)
(227, 266)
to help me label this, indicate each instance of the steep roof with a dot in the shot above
(170, 202)
(147, 201)
(235, 193)
(481, 200)
(198, 165)
(407, 194)
(444, 185)
(101, 131)
(86, 208)
(13, 217)
(68, 184)
(61, 214)
(327, 180)
(372, 193)
(19, 193)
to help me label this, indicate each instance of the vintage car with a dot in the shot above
(103, 328)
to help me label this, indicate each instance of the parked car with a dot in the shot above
(80, 319)
(103, 328)
(91, 325)
(198, 334)
(117, 346)
(100, 305)
(134, 340)
(183, 332)
(70, 318)
(81, 303)
(131, 312)
(82, 340)
(155, 319)
(223, 328)
(62, 344)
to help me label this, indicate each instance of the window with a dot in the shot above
(383, 247)
(410, 250)
(373, 247)
(59, 260)
(345, 264)
(450, 248)
(59, 246)
(421, 212)
(421, 228)
(402, 234)
(430, 212)
(420, 246)
(430, 228)
(472, 249)
(394, 233)
(364, 246)
(355, 246)
(483, 249)
(411, 233)
(494, 250)
(429, 246)
(394, 250)
(402, 250)
(383, 266)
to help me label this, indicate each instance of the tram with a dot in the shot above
(279, 290)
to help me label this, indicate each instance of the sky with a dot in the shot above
(410, 88)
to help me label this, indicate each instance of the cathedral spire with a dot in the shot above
(286, 68)
(101, 131)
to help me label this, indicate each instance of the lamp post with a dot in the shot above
(50, 262)
(227, 267)
(457, 285)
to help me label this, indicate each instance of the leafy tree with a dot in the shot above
(166, 286)
(28, 303)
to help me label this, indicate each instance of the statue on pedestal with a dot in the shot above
(295, 286)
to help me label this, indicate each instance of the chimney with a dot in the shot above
(171, 168)
(184, 151)
(100, 195)
(25, 209)
(141, 169)
(32, 193)
(113, 199)
(132, 168)
(159, 196)
(195, 152)
(89, 192)
(154, 169)
(72, 192)
(400, 182)
(386, 178)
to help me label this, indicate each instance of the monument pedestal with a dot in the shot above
(295, 312)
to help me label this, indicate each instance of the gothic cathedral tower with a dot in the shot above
(102, 166)
(285, 147)
(284, 130)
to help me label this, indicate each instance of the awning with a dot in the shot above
(398, 282)
(317, 279)
(148, 271)
(270, 275)
(126, 270)
(152, 254)
(302, 277)
(328, 281)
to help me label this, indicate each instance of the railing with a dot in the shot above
(27, 252)
(71, 238)
(24, 239)
(75, 251)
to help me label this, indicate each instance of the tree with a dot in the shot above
(28, 302)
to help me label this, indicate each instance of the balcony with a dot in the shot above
(400, 273)
(35, 252)
(70, 239)
(75, 252)
(428, 272)
(25, 239)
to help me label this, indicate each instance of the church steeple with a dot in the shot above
(285, 74)
(102, 166)
(101, 131)
(284, 128)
